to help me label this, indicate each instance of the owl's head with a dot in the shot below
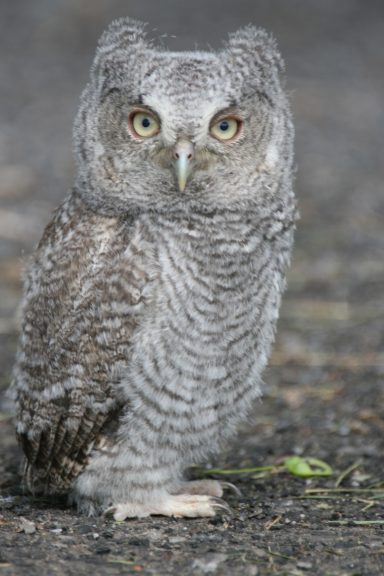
(160, 130)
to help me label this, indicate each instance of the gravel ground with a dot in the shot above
(324, 388)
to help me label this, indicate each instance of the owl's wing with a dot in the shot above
(83, 300)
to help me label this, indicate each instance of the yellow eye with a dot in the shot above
(144, 124)
(226, 128)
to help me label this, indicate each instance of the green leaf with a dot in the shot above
(307, 467)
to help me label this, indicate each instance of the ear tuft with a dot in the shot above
(252, 44)
(121, 34)
(123, 41)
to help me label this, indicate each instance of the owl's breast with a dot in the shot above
(207, 332)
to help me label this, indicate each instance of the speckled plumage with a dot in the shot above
(149, 313)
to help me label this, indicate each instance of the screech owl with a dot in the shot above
(151, 300)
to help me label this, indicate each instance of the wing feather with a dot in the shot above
(74, 340)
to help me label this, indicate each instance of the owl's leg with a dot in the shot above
(197, 498)
(178, 506)
(106, 486)
(140, 473)
(208, 487)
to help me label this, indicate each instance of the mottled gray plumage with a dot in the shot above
(149, 312)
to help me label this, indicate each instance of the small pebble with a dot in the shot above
(375, 544)
(303, 565)
(209, 564)
(103, 550)
(176, 539)
(260, 553)
(27, 526)
(139, 542)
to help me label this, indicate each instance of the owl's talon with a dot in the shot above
(204, 487)
(230, 486)
(110, 511)
(221, 505)
(178, 506)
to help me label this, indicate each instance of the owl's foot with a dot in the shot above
(178, 506)
(208, 487)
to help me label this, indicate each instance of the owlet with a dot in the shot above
(151, 301)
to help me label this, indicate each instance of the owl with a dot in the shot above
(151, 301)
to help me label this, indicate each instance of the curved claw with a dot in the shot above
(230, 486)
(221, 505)
(110, 511)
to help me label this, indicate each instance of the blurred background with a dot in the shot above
(332, 318)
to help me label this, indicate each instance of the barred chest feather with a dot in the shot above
(206, 332)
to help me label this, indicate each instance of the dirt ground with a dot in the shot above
(324, 389)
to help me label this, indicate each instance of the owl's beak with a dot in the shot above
(183, 155)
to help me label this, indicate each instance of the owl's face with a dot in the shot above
(159, 130)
